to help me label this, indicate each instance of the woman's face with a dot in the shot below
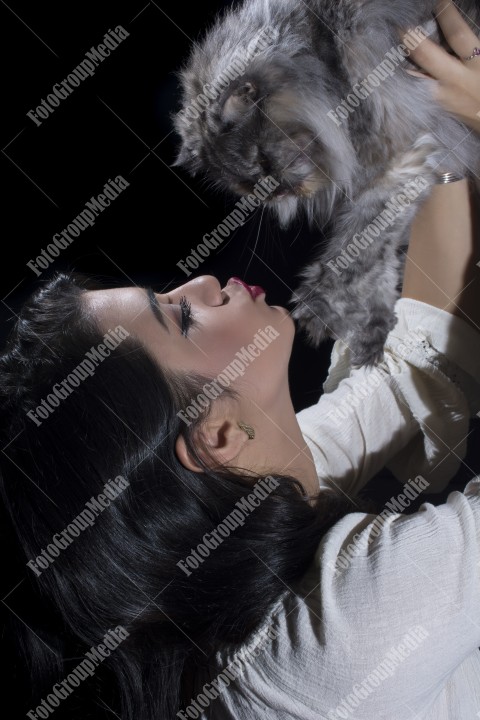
(201, 328)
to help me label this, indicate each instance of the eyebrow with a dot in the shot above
(155, 307)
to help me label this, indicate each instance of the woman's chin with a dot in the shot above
(287, 317)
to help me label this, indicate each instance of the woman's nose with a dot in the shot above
(205, 290)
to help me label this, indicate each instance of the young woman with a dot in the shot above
(183, 528)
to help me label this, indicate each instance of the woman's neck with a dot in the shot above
(279, 445)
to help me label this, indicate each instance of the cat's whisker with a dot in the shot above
(261, 99)
(256, 240)
(296, 237)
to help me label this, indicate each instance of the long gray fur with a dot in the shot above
(273, 120)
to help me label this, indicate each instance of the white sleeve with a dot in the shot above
(404, 589)
(411, 412)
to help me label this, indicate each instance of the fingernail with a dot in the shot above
(417, 73)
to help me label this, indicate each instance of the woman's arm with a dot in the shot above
(367, 417)
(409, 409)
(386, 578)
(441, 267)
(407, 412)
(444, 246)
(410, 413)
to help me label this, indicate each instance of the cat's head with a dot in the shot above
(241, 122)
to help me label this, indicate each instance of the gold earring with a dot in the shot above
(248, 429)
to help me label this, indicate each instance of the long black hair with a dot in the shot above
(117, 429)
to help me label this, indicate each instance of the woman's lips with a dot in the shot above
(254, 290)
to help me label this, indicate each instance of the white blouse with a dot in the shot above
(387, 625)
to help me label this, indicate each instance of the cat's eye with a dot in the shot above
(227, 125)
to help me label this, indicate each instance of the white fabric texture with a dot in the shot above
(416, 407)
(392, 633)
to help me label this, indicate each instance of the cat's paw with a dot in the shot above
(368, 352)
(421, 160)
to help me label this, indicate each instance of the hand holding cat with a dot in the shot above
(457, 80)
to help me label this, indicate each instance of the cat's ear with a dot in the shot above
(188, 159)
(183, 158)
(241, 100)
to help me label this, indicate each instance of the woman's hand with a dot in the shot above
(457, 81)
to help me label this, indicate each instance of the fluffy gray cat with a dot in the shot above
(315, 95)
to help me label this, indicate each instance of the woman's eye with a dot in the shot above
(187, 315)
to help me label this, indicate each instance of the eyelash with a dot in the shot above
(187, 315)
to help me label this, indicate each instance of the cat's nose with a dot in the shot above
(248, 90)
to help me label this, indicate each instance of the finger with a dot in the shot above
(463, 107)
(417, 73)
(436, 61)
(458, 33)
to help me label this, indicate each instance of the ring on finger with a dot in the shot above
(476, 53)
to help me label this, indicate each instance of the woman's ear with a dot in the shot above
(217, 442)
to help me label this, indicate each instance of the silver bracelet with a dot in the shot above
(449, 177)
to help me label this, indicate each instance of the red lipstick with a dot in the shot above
(254, 290)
